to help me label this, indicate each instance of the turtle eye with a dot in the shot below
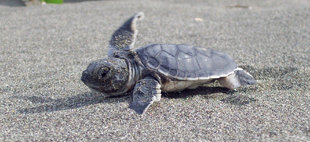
(103, 72)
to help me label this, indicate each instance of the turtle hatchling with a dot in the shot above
(147, 71)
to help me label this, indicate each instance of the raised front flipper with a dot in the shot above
(146, 91)
(124, 38)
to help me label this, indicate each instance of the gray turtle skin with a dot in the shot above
(125, 36)
(149, 70)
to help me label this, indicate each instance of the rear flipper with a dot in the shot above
(239, 78)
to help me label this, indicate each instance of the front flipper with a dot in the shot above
(146, 91)
(124, 38)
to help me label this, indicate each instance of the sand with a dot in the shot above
(44, 50)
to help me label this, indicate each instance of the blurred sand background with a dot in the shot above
(44, 50)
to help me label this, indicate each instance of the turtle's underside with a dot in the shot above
(158, 67)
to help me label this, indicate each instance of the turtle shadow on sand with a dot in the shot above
(48, 104)
(217, 93)
(204, 90)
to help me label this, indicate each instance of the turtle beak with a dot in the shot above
(84, 76)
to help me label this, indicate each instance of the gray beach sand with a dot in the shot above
(44, 50)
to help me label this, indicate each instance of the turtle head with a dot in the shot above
(108, 76)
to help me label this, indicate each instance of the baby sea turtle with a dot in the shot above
(154, 68)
